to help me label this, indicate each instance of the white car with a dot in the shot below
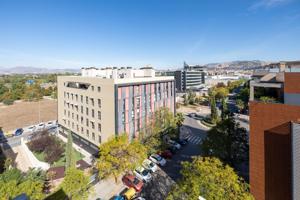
(40, 127)
(157, 159)
(148, 164)
(142, 174)
(175, 144)
(51, 124)
(30, 129)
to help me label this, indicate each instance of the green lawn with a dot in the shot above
(61, 161)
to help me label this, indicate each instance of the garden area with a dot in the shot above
(48, 148)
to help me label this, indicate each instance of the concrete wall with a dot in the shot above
(296, 161)
(107, 97)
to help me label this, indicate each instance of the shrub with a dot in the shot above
(48, 144)
(8, 101)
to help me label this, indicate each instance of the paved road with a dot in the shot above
(162, 181)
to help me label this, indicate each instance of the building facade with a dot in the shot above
(274, 136)
(97, 106)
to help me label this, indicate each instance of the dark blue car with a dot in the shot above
(18, 132)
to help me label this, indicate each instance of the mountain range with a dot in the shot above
(35, 70)
(238, 65)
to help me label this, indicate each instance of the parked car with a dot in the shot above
(129, 194)
(175, 144)
(142, 174)
(18, 132)
(51, 124)
(30, 129)
(132, 181)
(148, 164)
(182, 141)
(172, 149)
(167, 154)
(157, 159)
(119, 197)
(40, 127)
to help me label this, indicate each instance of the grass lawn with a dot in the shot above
(61, 161)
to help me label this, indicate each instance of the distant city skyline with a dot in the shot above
(163, 34)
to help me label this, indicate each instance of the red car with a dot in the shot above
(167, 154)
(132, 181)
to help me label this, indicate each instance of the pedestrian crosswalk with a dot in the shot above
(193, 139)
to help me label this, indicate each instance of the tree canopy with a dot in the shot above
(75, 184)
(210, 179)
(227, 141)
(14, 183)
(119, 155)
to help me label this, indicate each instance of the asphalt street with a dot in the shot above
(163, 180)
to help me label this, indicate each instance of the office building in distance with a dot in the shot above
(275, 133)
(102, 103)
(190, 77)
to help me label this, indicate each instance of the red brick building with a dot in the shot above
(274, 132)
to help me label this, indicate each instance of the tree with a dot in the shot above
(70, 157)
(191, 97)
(266, 99)
(179, 118)
(225, 111)
(240, 105)
(227, 141)
(119, 155)
(75, 184)
(213, 109)
(13, 183)
(210, 179)
(185, 100)
(221, 92)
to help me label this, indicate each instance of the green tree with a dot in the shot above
(225, 110)
(13, 183)
(70, 157)
(227, 141)
(179, 118)
(221, 92)
(210, 179)
(119, 155)
(240, 105)
(191, 97)
(213, 110)
(185, 100)
(75, 184)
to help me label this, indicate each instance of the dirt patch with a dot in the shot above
(23, 114)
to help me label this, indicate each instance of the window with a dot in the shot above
(93, 125)
(87, 111)
(99, 115)
(65, 112)
(77, 127)
(99, 103)
(99, 139)
(76, 96)
(87, 122)
(72, 125)
(77, 117)
(92, 101)
(72, 115)
(93, 136)
(72, 96)
(99, 89)
(68, 113)
(92, 88)
(87, 133)
(86, 100)
(69, 123)
(81, 109)
(81, 98)
(82, 130)
(93, 113)
(99, 127)
(64, 94)
(81, 120)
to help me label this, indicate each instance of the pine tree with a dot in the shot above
(225, 112)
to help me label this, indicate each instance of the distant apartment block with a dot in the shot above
(275, 134)
(102, 103)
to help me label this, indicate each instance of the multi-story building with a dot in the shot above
(191, 77)
(102, 103)
(275, 135)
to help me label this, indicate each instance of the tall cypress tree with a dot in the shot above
(213, 108)
(225, 112)
(70, 158)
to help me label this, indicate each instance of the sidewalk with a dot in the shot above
(106, 189)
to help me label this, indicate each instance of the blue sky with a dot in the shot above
(161, 33)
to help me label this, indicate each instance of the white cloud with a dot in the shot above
(267, 4)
